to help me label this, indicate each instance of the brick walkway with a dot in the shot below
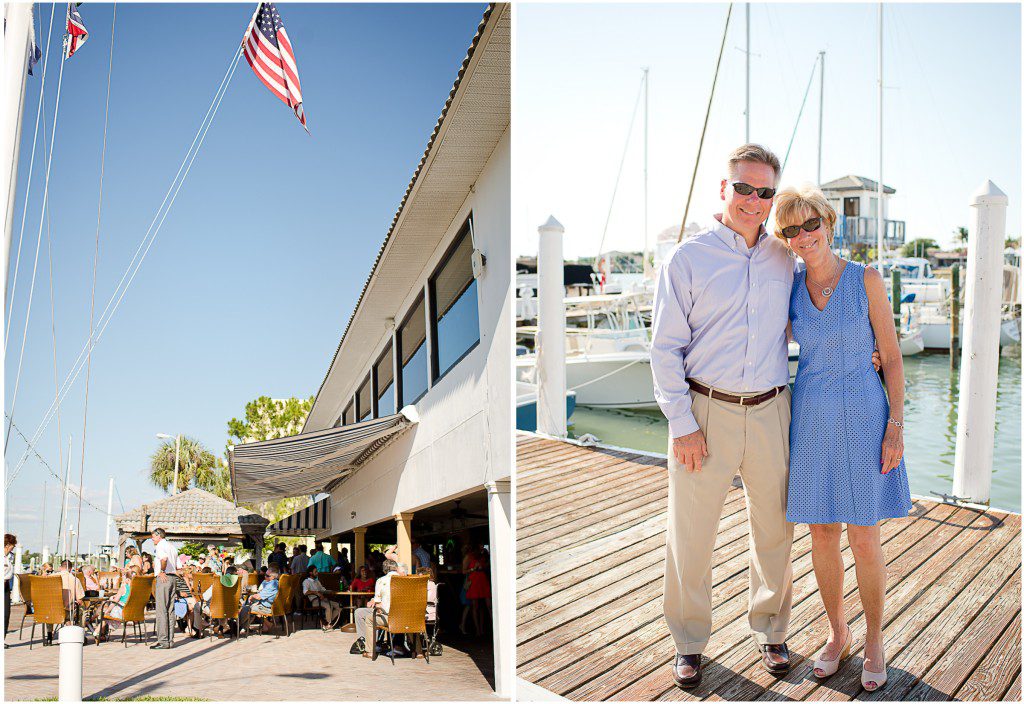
(310, 665)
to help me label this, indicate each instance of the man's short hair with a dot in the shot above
(65, 564)
(211, 546)
(10, 539)
(302, 548)
(282, 546)
(755, 153)
(390, 566)
(273, 570)
(160, 533)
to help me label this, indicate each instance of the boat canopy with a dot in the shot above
(310, 463)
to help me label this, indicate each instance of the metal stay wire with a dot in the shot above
(116, 298)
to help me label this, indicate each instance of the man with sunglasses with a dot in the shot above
(721, 373)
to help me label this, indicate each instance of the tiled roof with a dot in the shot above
(193, 511)
(854, 183)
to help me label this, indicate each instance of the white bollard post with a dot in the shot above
(979, 360)
(46, 555)
(72, 642)
(551, 415)
(503, 584)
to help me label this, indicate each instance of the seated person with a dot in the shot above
(46, 570)
(363, 583)
(380, 603)
(262, 602)
(114, 606)
(73, 591)
(314, 590)
(432, 595)
(228, 579)
(92, 582)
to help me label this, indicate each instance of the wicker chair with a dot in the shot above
(134, 611)
(282, 605)
(81, 579)
(201, 581)
(407, 613)
(25, 586)
(47, 605)
(224, 602)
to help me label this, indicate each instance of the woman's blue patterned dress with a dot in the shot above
(839, 414)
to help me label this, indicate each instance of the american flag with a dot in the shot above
(77, 33)
(269, 52)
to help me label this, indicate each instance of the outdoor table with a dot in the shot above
(350, 627)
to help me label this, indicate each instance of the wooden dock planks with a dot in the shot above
(589, 593)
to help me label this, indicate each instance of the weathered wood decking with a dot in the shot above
(590, 542)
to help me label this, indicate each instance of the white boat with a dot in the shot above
(934, 322)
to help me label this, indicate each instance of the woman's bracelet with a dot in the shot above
(895, 422)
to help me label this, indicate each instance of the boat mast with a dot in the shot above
(746, 111)
(821, 110)
(18, 31)
(647, 248)
(879, 221)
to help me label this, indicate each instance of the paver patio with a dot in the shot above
(309, 665)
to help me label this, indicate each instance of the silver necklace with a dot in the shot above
(827, 291)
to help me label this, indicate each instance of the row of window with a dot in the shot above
(448, 312)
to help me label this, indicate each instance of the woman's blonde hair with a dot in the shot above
(793, 204)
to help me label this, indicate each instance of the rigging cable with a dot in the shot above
(39, 239)
(28, 183)
(95, 262)
(799, 114)
(618, 176)
(700, 147)
(175, 186)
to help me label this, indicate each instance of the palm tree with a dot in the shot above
(197, 466)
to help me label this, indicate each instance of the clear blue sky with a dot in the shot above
(952, 108)
(257, 268)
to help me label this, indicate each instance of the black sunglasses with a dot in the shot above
(745, 189)
(794, 230)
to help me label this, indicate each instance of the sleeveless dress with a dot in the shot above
(839, 413)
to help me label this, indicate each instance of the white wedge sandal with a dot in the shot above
(829, 667)
(876, 680)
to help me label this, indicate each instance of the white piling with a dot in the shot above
(72, 641)
(551, 416)
(46, 554)
(979, 360)
(18, 569)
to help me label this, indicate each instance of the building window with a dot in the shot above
(364, 401)
(383, 376)
(455, 317)
(412, 349)
(348, 415)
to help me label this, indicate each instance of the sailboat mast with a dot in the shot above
(879, 221)
(821, 110)
(746, 111)
(647, 247)
(18, 31)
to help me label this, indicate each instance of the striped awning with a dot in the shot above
(309, 521)
(309, 463)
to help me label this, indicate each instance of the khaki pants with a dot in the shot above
(753, 440)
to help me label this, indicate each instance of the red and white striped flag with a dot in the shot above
(77, 34)
(269, 52)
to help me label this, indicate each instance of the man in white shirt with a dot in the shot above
(381, 601)
(314, 590)
(165, 566)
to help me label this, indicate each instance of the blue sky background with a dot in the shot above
(952, 108)
(254, 275)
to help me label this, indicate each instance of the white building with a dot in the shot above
(410, 432)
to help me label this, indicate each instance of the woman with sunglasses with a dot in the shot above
(846, 433)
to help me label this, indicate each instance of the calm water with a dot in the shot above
(930, 434)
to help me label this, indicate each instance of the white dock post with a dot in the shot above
(18, 569)
(979, 360)
(503, 584)
(551, 416)
(69, 683)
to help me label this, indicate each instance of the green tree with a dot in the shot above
(267, 419)
(961, 234)
(197, 466)
(919, 247)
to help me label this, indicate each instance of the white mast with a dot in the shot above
(110, 508)
(64, 513)
(18, 34)
(746, 112)
(647, 247)
(821, 110)
(879, 221)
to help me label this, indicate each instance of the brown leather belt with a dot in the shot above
(729, 398)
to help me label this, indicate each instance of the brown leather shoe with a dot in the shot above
(686, 670)
(775, 658)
